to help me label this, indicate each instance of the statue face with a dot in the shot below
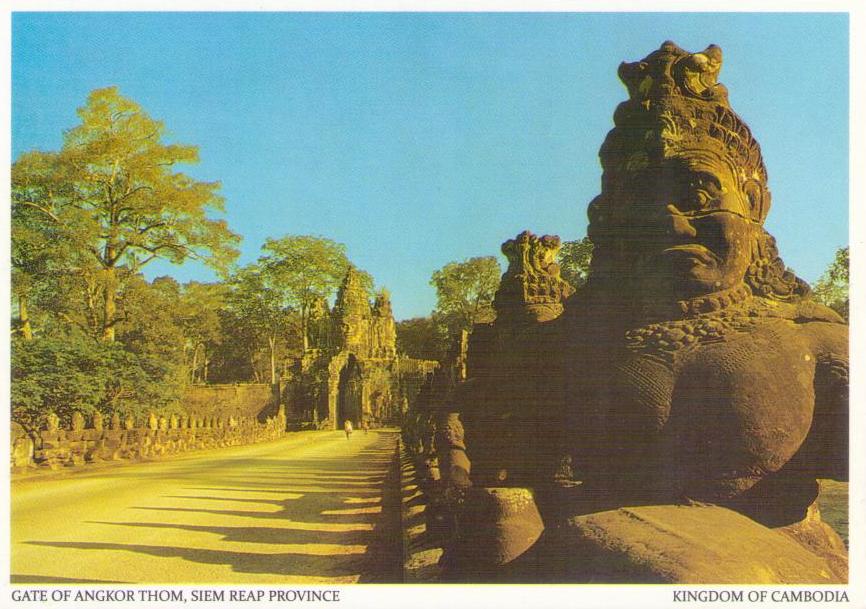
(689, 225)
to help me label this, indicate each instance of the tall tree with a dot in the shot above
(45, 252)
(260, 307)
(832, 288)
(422, 337)
(129, 205)
(304, 269)
(465, 290)
(573, 260)
(198, 316)
(148, 326)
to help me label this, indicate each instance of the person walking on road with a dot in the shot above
(347, 427)
(365, 425)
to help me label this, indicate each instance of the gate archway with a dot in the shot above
(350, 393)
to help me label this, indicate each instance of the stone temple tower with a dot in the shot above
(353, 371)
(352, 315)
(384, 330)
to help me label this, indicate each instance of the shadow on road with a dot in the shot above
(286, 563)
(44, 579)
(315, 516)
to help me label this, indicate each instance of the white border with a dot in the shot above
(542, 596)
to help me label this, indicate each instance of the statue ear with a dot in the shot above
(759, 199)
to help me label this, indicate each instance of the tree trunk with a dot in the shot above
(91, 296)
(305, 330)
(272, 342)
(24, 318)
(194, 365)
(256, 376)
(109, 310)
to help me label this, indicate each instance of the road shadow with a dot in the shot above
(386, 547)
(46, 579)
(285, 563)
(259, 534)
(328, 508)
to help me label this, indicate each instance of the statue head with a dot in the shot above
(684, 190)
(531, 288)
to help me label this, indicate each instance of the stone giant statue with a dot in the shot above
(693, 368)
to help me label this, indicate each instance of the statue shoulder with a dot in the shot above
(826, 330)
(822, 325)
(808, 311)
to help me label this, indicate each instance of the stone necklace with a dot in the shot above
(705, 319)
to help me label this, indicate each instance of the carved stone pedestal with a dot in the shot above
(497, 526)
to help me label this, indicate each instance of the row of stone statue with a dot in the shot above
(693, 368)
(55, 447)
(153, 421)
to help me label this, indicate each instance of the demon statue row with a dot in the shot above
(668, 421)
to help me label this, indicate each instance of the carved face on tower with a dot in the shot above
(684, 191)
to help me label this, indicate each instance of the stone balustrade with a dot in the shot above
(120, 439)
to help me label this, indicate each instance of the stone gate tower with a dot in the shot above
(352, 370)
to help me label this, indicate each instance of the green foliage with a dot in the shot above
(302, 270)
(149, 328)
(47, 257)
(78, 373)
(112, 199)
(198, 316)
(423, 337)
(238, 357)
(465, 291)
(260, 315)
(85, 221)
(270, 307)
(140, 209)
(573, 260)
(832, 288)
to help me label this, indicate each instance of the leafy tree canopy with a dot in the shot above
(113, 194)
(422, 337)
(573, 260)
(64, 375)
(832, 288)
(302, 270)
(465, 291)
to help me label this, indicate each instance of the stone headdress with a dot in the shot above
(676, 104)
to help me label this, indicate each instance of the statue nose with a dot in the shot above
(680, 226)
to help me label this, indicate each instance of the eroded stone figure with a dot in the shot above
(693, 366)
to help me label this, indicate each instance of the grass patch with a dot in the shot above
(833, 503)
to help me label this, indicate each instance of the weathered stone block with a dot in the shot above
(77, 421)
(680, 544)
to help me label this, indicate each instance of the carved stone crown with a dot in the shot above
(382, 305)
(675, 103)
(352, 297)
(531, 287)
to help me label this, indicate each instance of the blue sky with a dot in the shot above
(420, 139)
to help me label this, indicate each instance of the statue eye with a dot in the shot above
(704, 189)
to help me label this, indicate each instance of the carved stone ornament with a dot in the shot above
(531, 287)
